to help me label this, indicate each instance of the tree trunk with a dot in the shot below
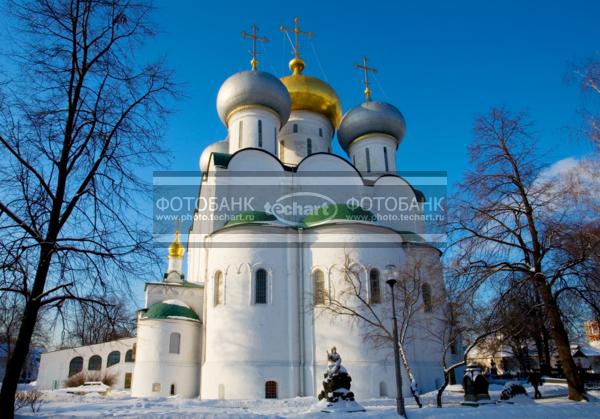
(546, 343)
(440, 391)
(411, 377)
(16, 361)
(561, 339)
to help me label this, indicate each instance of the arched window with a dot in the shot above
(320, 132)
(374, 286)
(75, 366)
(95, 363)
(218, 288)
(129, 356)
(113, 358)
(240, 133)
(368, 160)
(172, 392)
(426, 291)
(259, 133)
(308, 146)
(174, 341)
(295, 127)
(318, 287)
(271, 390)
(260, 294)
(382, 389)
(385, 159)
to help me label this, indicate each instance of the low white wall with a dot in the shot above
(54, 366)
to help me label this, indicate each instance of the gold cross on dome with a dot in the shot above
(365, 67)
(254, 37)
(297, 32)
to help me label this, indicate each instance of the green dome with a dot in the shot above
(338, 212)
(247, 217)
(170, 309)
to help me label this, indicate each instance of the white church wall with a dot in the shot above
(372, 163)
(295, 135)
(248, 343)
(54, 365)
(157, 369)
(368, 366)
(253, 127)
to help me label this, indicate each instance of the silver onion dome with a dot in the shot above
(371, 117)
(253, 87)
(218, 147)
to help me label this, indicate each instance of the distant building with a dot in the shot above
(113, 358)
(30, 369)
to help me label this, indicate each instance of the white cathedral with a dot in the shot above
(249, 318)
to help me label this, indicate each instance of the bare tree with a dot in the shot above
(506, 225)
(80, 115)
(95, 323)
(350, 299)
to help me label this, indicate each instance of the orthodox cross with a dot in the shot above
(297, 32)
(365, 67)
(254, 37)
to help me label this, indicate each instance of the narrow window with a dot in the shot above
(295, 126)
(374, 285)
(172, 392)
(260, 295)
(320, 132)
(174, 341)
(240, 132)
(368, 160)
(155, 387)
(385, 159)
(95, 363)
(133, 352)
(75, 366)
(354, 160)
(259, 133)
(218, 288)
(129, 356)
(275, 135)
(113, 358)
(271, 390)
(308, 146)
(426, 291)
(318, 287)
(127, 382)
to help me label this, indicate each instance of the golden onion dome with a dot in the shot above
(311, 94)
(176, 249)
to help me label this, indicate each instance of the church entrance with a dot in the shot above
(172, 389)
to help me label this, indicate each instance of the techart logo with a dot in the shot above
(292, 208)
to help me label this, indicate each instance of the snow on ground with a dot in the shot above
(60, 404)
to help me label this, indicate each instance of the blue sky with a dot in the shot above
(441, 63)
